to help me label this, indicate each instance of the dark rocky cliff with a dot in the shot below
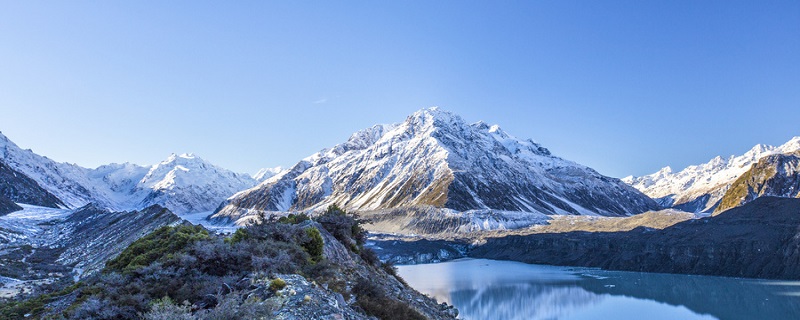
(758, 240)
(22, 189)
(7, 205)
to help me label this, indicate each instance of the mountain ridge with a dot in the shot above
(699, 188)
(183, 183)
(776, 175)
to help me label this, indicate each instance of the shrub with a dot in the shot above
(345, 227)
(277, 284)
(392, 270)
(369, 256)
(156, 245)
(375, 303)
(314, 244)
(238, 236)
(34, 305)
(293, 219)
(164, 309)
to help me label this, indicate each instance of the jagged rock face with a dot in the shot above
(7, 205)
(776, 175)
(17, 187)
(436, 159)
(700, 188)
(183, 183)
(757, 240)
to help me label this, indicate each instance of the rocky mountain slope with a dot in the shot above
(435, 159)
(699, 188)
(299, 269)
(757, 240)
(775, 175)
(43, 243)
(183, 183)
(17, 187)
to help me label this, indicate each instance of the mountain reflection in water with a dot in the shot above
(490, 289)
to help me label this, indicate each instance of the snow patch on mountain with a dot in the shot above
(698, 188)
(266, 173)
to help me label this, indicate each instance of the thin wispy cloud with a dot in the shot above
(321, 101)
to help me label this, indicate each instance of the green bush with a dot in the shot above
(155, 246)
(314, 244)
(293, 219)
(33, 306)
(165, 309)
(277, 284)
(238, 236)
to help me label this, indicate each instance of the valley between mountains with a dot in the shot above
(430, 188)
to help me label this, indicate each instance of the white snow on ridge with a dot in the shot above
(183, 183)
(266, 173)
(712, 178)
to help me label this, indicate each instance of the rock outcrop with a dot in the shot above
(18, 187)
(775, 175)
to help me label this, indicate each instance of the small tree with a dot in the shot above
(314, 244)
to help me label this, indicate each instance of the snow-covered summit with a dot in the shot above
(187, 183)
(435, 158)
(698, 188)
(183, 183)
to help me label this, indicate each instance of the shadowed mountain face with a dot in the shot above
(435, 159)
(758, 240)
(7, 206)
(18, 187)
(776, 175)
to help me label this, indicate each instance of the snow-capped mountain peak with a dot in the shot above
(187, 183)
(435, 158)
(790, 146)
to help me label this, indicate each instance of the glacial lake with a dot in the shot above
(491, 289)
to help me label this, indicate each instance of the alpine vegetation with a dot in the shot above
(289, 269)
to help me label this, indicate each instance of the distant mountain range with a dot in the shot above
(701, 188)
(182, 183)
(434, 164)
(435, 159)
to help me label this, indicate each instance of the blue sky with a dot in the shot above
(625, 87)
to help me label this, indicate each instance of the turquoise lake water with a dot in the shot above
(491, 289)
